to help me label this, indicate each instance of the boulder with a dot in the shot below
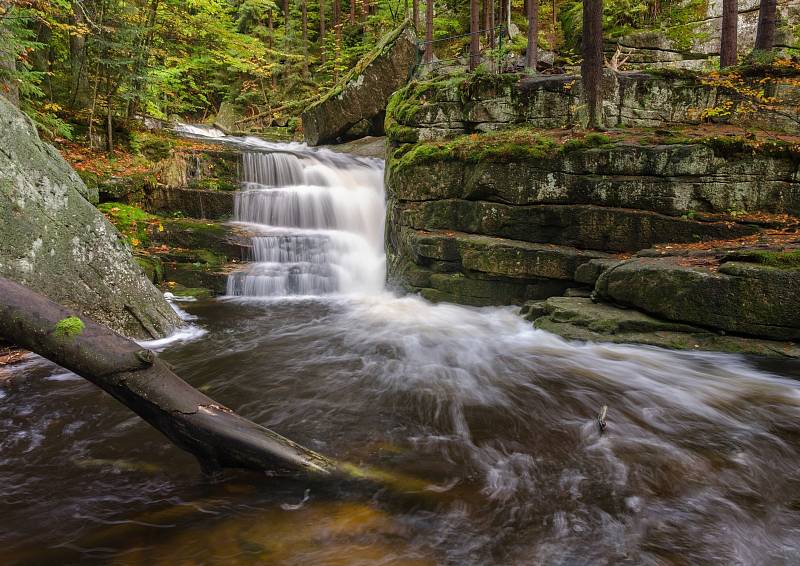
(54, 241)
(576, 318)
(363, 93)
(742, 298)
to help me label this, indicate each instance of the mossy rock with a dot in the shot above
(582, 319)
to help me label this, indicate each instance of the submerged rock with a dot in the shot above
(53, 240)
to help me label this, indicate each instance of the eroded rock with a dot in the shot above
(53, 240)
(361, 97)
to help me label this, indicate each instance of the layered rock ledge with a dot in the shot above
(684, 238)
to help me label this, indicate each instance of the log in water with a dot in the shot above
(699, 461)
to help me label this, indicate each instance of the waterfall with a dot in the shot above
(317, 221)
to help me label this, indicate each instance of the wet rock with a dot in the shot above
(742, 298)
(582, 226)
(53, 240)
(675, 179)
(582, 319)
(195, 203)
(588, 273)
(363, 94)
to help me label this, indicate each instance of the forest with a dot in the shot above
(78, 66)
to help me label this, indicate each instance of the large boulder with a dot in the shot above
(53, 240)
(742, 298)
(361, 96)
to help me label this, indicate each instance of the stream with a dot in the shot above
(699, 463)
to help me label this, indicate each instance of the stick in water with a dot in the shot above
(601, 418)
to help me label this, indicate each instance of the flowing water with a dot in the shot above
(699, 463)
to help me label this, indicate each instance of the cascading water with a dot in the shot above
(317, 219)
(699, 463)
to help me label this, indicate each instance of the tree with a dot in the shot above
(532, 53)
(428, 31)
(592, 65)
(765, 34)
(730, 20)
(415, 15)
(475, 38)
(214, 434)
(322, 30)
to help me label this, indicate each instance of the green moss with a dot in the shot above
(196, 292)
(152, 267)
(69, 327)
(213, 184)
(590, 140)
(781, 260)
(674, 73)
(509, 145)
(154, 146)
(133, 222)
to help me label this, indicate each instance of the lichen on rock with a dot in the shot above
(53, 240)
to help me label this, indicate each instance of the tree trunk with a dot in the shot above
(286, 21)
(765, 34)
(337, 29)
(428, 31)
(304, 15)
(270, 44)
(490, 27)
(488, 16)
(475, 37)
(592, 65)
(352, 12)
(415, 15)
(142, 59)
(532, 53)
(322, 31)
(730, 21)
(9, 87)
(554, 24)
(79, 79)
(214, 434)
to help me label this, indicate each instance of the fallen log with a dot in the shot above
(135, 376)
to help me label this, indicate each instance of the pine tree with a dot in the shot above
(765, 34)
(592, 65)
(730, 21)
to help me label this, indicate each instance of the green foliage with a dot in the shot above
(779, 260)
(133, 223)
(69, 327)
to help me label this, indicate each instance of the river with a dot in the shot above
(699, 462)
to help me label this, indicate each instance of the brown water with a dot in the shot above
(700, 462)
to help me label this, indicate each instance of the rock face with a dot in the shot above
(455, 106)
(741, 298)
(53, 240)
(485, 207)
(583, 319)
(505, 229)
(361, 97)
(696, 38)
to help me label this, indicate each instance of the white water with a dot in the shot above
(317, 218)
